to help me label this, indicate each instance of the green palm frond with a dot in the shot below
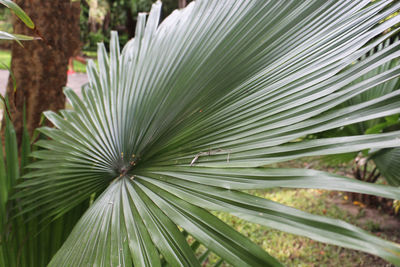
(189, 112)
(15, 37)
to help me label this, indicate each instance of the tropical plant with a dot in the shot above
(189, 114)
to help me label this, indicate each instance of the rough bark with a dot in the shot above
(40, 67)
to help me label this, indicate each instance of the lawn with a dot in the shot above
(5, 58)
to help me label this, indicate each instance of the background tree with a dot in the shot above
(40, 67)
(121, 16)
(182, 3)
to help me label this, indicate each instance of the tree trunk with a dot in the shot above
(182, 3)
(130, 23)
(40, 67)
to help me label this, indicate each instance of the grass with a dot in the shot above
(79, 67)
(5, 58)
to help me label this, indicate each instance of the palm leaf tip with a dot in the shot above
(215, 81)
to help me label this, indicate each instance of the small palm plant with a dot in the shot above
(193, 111)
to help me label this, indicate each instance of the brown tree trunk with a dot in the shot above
(182, 3)
(130, 23)
(40, 67)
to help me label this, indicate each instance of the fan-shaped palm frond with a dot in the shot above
(189, 112)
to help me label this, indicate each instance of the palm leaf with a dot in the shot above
(385, 160)
(191, 110)
(18, 12)
(377, 91)
(15, 37)
(278, 216)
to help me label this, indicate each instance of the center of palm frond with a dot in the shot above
(125, 166)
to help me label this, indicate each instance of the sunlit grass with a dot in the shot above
(5, 58)
(79, 67)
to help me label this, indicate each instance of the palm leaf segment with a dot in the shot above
(386, 160)
(183, 118)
